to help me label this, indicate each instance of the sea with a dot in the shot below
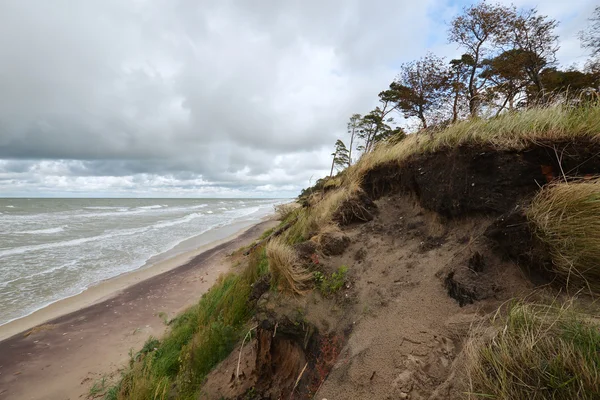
(51, 249)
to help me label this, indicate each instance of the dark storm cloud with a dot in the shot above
(120, 96)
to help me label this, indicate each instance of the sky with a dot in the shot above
(224, 98)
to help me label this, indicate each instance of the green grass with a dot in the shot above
(566, 216)
(329, 285)
(266, 233)
(198, 340)
(536, 352)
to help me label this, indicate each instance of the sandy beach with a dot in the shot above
(59, 351)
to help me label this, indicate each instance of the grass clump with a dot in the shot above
(198, 340)
(536, 352)
(318, 214)
(285, 210)
(287, 273)
(331, 284)
(566, 216)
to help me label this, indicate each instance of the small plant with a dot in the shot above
(319, 277)
(97, 389)
(251, 393)
(164, 317)
(331, 284)
(151, 344)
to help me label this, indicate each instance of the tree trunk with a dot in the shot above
(455, 104)
(472, 81)
(332, 165)
(350, 149)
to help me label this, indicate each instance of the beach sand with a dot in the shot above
(59, 352)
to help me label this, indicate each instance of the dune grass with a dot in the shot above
(285, 210)
(318, 215)
(566, 216)
(536, 352)
(509, 131)
(287, 273)
(198, 340)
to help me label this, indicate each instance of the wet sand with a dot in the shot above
(88, 336)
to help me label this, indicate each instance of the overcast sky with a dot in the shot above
(204, 98)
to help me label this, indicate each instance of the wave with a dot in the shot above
(149, 207)
(68, 243)
(44, 231)
(10, 206)
(44, 272)
(111, 234)
(106, 208)
(178, 221)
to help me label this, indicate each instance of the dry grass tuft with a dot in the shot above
(536, 352)
(285, 210)
(566, 216)
(319, 214)
(287, 273)
(510, 131)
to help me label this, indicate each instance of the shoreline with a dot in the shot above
(111, 287)
(66, 355)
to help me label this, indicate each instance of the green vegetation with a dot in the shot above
(536, 352)
(331, 284)
(198, 340)
(566, 216)
(266, 233)
(98, 388)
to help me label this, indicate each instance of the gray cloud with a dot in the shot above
(182, 97)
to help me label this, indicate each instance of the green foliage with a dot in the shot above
(421, 88)
(341, 157)
(266, 233)
(98, 388)
(329, 285)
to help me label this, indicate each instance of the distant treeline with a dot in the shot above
(508, 63)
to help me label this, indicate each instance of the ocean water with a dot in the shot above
(51, 249)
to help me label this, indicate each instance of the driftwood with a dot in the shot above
(275, 233)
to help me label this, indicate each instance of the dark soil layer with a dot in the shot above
(512, 237)
(358, 208)
(469, 180)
